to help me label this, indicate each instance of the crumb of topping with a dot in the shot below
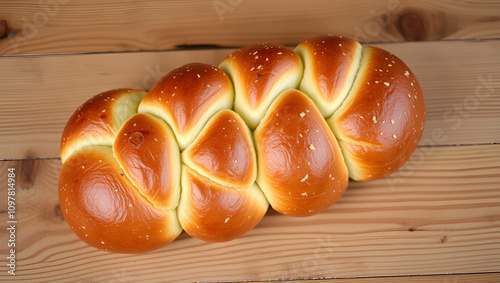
(302, 114)
(311, 146)
(305, 178)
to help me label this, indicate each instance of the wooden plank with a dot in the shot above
(448, 278)
(442, 218)
(460, 81)
(63, 26)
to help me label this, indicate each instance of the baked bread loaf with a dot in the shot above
(208, 148)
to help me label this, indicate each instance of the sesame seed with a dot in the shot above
(387, 84)
(303, 194)
(392, 121)
(227, 219)
(407, 73)
(394, 136)
(279, 53)
(311, 146)
(198, 75)
(374, 119)
(381, 133)
(302, 114)
(305, 178)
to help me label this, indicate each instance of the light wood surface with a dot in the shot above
(460, 81)
(442, 217)
(63, 26)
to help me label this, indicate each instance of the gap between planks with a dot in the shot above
(488, 277)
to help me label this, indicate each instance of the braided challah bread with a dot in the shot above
(207, 149)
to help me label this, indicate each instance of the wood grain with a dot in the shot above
(62, 26)
(460, 80)
(441, 217)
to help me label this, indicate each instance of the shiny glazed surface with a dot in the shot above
(224, 150)
(146, 149)
(301, 169)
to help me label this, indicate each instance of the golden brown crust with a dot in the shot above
(146, 150)
(187, 97)
(121, 187)
(104, 209)
(215, 213)
(259, 73)
(382, 120)
(330, 65)
(98, 120)
(224, 151)
(301, 169)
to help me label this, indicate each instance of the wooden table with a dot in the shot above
(437, 219)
